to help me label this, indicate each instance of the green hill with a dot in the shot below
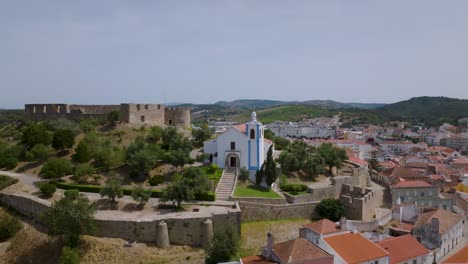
(430, 110)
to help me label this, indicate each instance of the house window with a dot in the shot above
(159, 106)
(138, 107)
(142, 118)
(233, 145)
(422, 193)
(146, 107)
(252, 134)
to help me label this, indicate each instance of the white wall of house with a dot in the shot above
(450, 239)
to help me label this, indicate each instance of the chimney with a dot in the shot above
(267, 250)
(403, 162)
(435, 225)
(343, 225)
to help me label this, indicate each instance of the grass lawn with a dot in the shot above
(253, 236)
(254, 191)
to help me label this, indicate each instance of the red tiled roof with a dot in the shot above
(403, 248)
(300, 250)
(323, 227)
(401, 172)
(241, 127)
(255, 260)
(446, 219)
(412, 184)
(461, 257)
(358, 160)
(404, 227)
(460, 161)
(437, 177)
(354, 248)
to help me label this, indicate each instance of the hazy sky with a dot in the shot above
(205, 51)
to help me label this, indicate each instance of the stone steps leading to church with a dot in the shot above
(225, 185)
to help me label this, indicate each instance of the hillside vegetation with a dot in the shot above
(430, 110)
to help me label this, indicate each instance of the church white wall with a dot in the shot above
(224, 143)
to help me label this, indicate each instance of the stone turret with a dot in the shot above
(162, 235)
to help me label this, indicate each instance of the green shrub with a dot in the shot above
(47, 189)
(10, 163)
(79, 187)
(206, 196)
(212, 168)
(294, 187)
(6, 181)
(56, 168)
(97, 189)
(156, 180)
(9, 225)
(70, 256)
(72, 193)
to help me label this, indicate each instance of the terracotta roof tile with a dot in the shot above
(403, 248)
(446, 219)
(323, 227)
(461, 257)
(401, 172)
(354, 248)
(412, 184)
(298, 250)
(241, 127)
(255, 260)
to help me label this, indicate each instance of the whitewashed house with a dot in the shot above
(240, 146)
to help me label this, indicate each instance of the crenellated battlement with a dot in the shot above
(130, 113)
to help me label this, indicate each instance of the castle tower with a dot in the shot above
(256, 152)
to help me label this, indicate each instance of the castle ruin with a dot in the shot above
(129, 113)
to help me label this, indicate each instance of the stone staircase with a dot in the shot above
(226, 185)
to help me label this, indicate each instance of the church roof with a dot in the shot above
(241, 127)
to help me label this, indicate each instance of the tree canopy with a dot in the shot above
(57, 168)
(69, 218)
(332, 209)
(185, 186)
(36, 133)
(63, 139)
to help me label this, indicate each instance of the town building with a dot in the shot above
(456, 142)
(241, 146)
(405, 250)
(439, 229)
(354, 248)
(397, 147)
(420, 193)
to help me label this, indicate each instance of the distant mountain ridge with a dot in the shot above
(256, 103)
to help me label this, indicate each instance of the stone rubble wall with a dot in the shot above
(183, 229)
(261, 212)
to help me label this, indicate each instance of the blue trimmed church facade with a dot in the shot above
(240, 146)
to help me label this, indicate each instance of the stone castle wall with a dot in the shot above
(156, 114)
(177, 116)
(360, 202)
(142, 113)
(183, 229)
(263, 212)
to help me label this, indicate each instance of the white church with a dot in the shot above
(240, 146)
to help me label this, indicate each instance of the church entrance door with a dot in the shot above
(232, 161)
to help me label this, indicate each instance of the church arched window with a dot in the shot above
(252, 134)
